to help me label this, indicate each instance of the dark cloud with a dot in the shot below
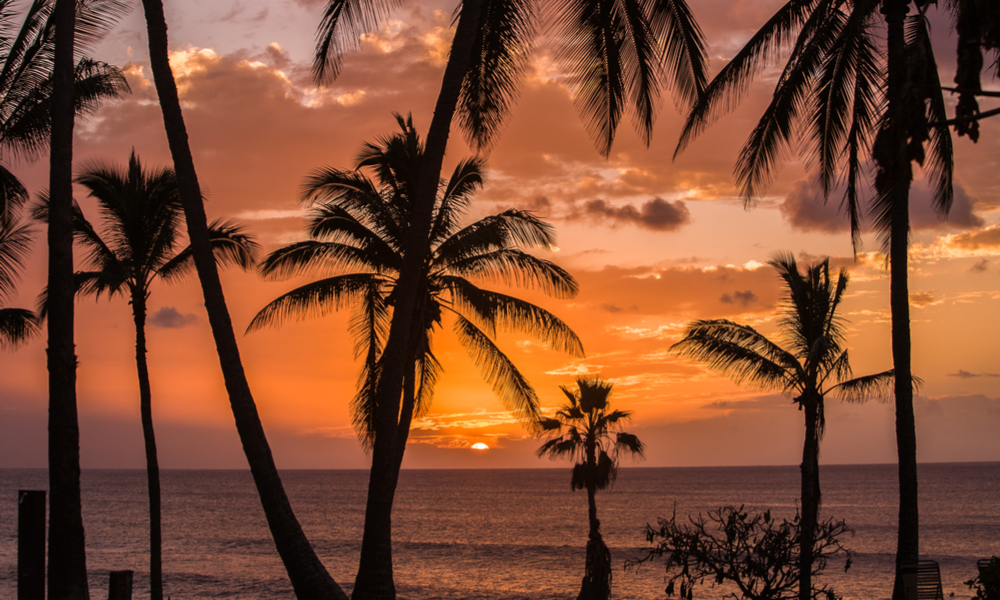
(804, 209)
(981, 266)
(657, 214)
(170, 318)
(921, 299)
(744, 298)
(963, 374)
(614, 308)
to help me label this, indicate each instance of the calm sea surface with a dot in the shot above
(503, 534)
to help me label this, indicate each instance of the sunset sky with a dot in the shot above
(653, 243)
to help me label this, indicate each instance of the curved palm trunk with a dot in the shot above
(908, 541)
(374, 580)
(810, 497)
(308, 576)
(67, 568)
(149, 439)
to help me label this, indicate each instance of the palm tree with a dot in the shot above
(16, 324)
(50, 43)
(136, 246)
(587, 431)
(618, 51)
(308, 576)
(357, 228)
(978, 26)
(812, 364)
(853, 101)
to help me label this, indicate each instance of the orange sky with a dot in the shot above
(653, 243)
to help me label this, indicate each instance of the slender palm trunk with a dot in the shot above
(375, 573)
(596, 583)
(67, 568)
(810, 497)
(374, 580)
(149, 439)
(908, 541)
(308, 576)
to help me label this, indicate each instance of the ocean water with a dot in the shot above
(498, 534)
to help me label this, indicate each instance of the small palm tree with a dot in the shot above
(16, 324)
(587, 431)
(814, 365)
(357, 230)
(137, 245)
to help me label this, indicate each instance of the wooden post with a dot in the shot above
(31, 545)
(120, 585)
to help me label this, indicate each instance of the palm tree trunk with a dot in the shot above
(67, 568)
(908, 541)
(810, 497)
(149, 438)
(596, 583)
(375, 572)
(375, 568)
(308, 576)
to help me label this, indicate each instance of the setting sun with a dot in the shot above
(480, 446)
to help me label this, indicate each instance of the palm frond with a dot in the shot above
(870, 387)
(15, 246)
(684, 49)
(739, 352)
(762, 151)
(732, 83)
(499, 57)
(493, 311)
(516, 268)
(314, 299)
(507, 382)
(300, 258)
(13, 195)
(231, 245)
(463, 183)
(17, 325)
(510, 229)
(594, 61)
(340, 30)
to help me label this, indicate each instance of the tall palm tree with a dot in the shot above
(60, 35)
(618, 51)
(357, 228)
(587, 431)
(854, 102)
(16, 324)
(308, 576)
(812, 364)
(136, 246)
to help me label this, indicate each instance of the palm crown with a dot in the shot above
(357, 229)
(813, 361)
(587, 431)
(16, 324)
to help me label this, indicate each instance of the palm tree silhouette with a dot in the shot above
(53, 35)
(814, 364)
(618, 52)
(854, 101)
(357, 228)
(308, 576)
(136, 246)
(587, 431)
(16, 324)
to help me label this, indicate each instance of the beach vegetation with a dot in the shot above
(733, 547)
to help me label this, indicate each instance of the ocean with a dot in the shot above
(498, 534)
